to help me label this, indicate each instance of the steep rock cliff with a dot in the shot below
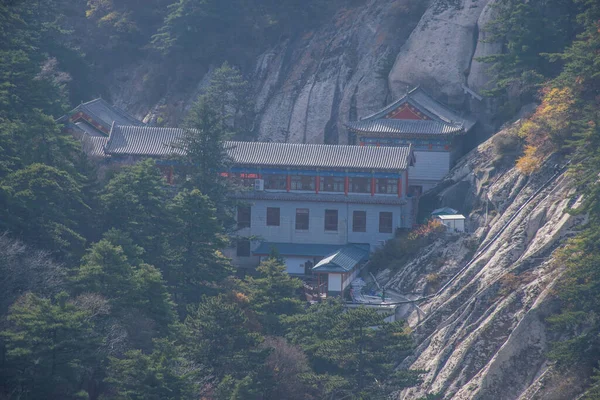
(485, 335)
(307, 87)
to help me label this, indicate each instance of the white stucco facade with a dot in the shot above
(345, 232)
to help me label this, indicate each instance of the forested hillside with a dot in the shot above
(113, 285)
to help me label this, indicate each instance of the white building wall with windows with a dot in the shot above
(316, 233)
(286, 231)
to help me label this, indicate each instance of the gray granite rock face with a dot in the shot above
(485, 335)
(440, 50)
(307, 87)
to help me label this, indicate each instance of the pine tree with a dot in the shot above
(134, 202)
(353, 352)
(50, 347)
(273, 295)
(164, 374)
(217, 336)
(136, 292)
(196, 265)
(43, 205)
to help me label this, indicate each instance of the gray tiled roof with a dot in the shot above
(93, 146)
(148, 141)
(400, 127)
(104, 113)
(88, 129)
(319, 155)
(155, 142)
(320, 197)
(444, 120)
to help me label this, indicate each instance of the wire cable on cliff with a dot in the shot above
(487, 245)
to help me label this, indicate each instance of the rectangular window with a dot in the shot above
(302, 182)
(244, 216)
(385, 222)
(272, 216)
(243, 248)
(386, 186)
(302, 219)
(331, 220)
(360, 185)
(332, 184)
(275, 182)
(359, 221)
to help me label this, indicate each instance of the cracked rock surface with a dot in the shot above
(364, 57)
(485, 336)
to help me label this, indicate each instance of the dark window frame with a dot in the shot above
(359, 224)
(244, 251)
(271, 212)
(275, 181)
(244, 222)
(328, 220)
(384, 218)
(332, 184)
(386, 186)
(302, 182)
(360, 185)
(303, 223)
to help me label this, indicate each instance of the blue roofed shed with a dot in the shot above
(342, 267)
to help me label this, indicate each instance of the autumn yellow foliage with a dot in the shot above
(546, 129)
(530, 161)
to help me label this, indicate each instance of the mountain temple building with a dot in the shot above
(321, 208)
(91, 123)
(434, 131)
(307, 202)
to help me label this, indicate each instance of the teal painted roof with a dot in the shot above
(344, 260)
(297, 249)
(444, 211)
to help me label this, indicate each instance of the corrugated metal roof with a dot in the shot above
(444, 211)
(429, 106)
(344, 260)
(320, 197)
(155, 142)
(297, 249)
(399, 127)
(450, 217)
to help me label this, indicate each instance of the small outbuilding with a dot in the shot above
(454, 223)
(340, 268)
(444, 211)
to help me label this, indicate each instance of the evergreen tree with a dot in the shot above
(205, 157)
(163, 374)
(135, 291)
(196, 264)
(228, 95)
(134, 202)
(43, 205)
(274, 295)
(50, 347)
(353, 352)
(217, 335)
